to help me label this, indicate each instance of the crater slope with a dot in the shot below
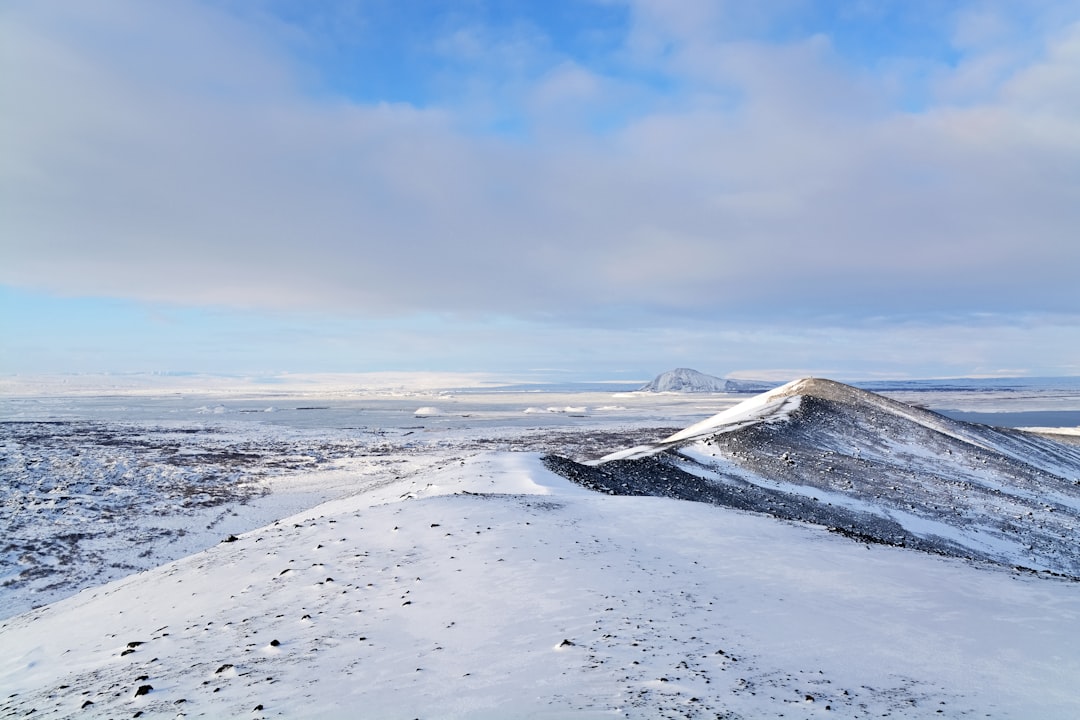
(870, 467)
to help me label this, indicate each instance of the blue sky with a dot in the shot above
(599, 188)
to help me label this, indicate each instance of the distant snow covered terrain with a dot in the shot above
(502, 591)
(402, 567)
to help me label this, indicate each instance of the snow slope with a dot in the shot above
(766, 407)
(498, 589)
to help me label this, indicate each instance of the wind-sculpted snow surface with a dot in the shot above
(871, 468)
(500, 590)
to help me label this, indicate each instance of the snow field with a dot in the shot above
(534, 598)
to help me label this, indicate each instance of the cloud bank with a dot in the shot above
(686, 162)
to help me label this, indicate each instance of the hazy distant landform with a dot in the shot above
(813, 550)
(691, 381)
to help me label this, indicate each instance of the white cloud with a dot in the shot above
(167, 151)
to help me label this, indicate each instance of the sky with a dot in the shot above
(572, 189)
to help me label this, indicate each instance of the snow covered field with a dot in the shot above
(339, 554)
(96, 487)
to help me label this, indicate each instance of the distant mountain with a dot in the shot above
(869, 467)
(685, 380)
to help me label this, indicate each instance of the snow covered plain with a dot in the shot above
(96, 487)
(450, 574)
